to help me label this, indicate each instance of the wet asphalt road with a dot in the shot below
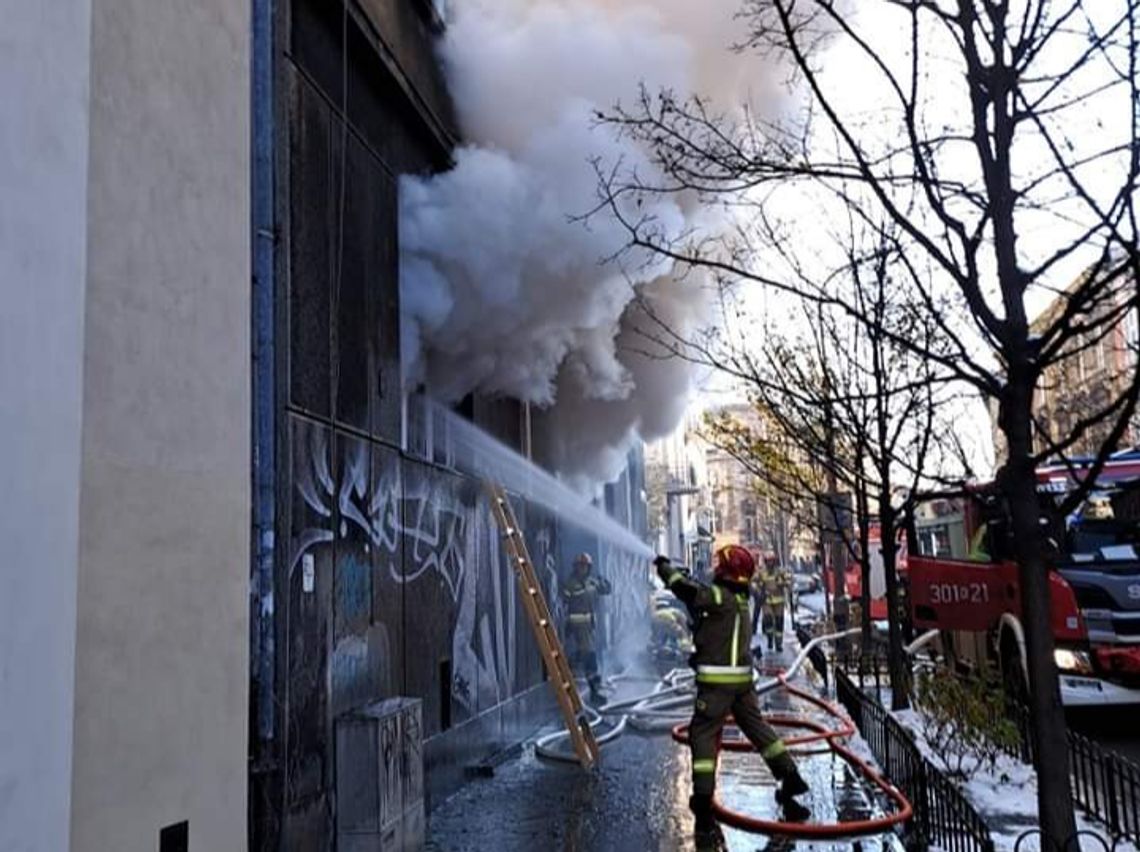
(637, 800)
(1115, 728)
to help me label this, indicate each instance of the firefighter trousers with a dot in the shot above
(774, 623)
(583, 654)
(713, 706)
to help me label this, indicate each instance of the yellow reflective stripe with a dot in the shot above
(735, 639)
(706, 669)
(723, 678)
(704, 766)
(774, 750)
(717, 595)
(675, 577)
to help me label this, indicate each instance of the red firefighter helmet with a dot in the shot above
(734, 564)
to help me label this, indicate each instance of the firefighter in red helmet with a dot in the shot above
(722, 636)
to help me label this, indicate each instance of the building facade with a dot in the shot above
(705, 498)
(679, 497)
(1097, 371)
(746, 512)
(231, 527)
(380, 572)
(125, 368)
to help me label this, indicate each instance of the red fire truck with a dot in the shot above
(853, 577)
(962, 581)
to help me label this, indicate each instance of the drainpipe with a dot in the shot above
(264, 374)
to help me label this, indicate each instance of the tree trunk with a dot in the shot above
(865, 572)
(897, 660)
(821, 555)
(1018, 483)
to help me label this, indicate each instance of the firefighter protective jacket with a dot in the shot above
(722, 631)
(581, 598)
(775, 585)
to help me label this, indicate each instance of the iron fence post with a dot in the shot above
(1111, 770)
(887, 752)
(921, 811)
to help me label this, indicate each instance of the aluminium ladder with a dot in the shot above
(553, 655)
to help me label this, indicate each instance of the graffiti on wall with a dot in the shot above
(429, 526)
(419, 573)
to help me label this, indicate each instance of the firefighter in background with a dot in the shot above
(775, 583)
(580, 593)
(670, 633)
(723, 664)
(756, 590)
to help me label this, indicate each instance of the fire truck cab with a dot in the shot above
(963, 582)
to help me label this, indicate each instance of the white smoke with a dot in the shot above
(504, 290)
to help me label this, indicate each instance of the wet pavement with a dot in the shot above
(1113, 727)
(638, 798)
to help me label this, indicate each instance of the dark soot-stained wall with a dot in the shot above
(389, 579)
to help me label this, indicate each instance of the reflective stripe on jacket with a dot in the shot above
(581, 598)
(775, 587)
(722, 632)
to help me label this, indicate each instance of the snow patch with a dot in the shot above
(1006, 798)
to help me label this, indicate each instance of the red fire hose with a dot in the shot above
(833, 737)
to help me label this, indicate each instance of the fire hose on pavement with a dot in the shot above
(669, 704)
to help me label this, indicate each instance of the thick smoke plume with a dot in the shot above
(504, 289)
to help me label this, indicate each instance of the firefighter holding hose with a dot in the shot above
(581, 593)
(722, 635)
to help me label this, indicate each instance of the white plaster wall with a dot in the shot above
(161, 666)
(44, 64)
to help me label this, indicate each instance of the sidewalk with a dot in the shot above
(638, 799)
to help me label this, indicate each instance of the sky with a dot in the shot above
(1102, 119)
(859, 89)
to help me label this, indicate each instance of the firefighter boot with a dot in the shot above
(706, 833)
(792, 785)
(597, 694)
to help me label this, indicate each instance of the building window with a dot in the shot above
(1131, 335)
(427, 430)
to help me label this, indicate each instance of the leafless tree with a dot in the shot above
(994, 120)
(845, 410)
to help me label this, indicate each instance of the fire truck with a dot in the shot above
(962, 581)
(853, 578)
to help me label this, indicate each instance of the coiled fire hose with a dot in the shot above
(669, 705)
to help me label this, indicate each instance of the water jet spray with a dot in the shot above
(481, 455)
